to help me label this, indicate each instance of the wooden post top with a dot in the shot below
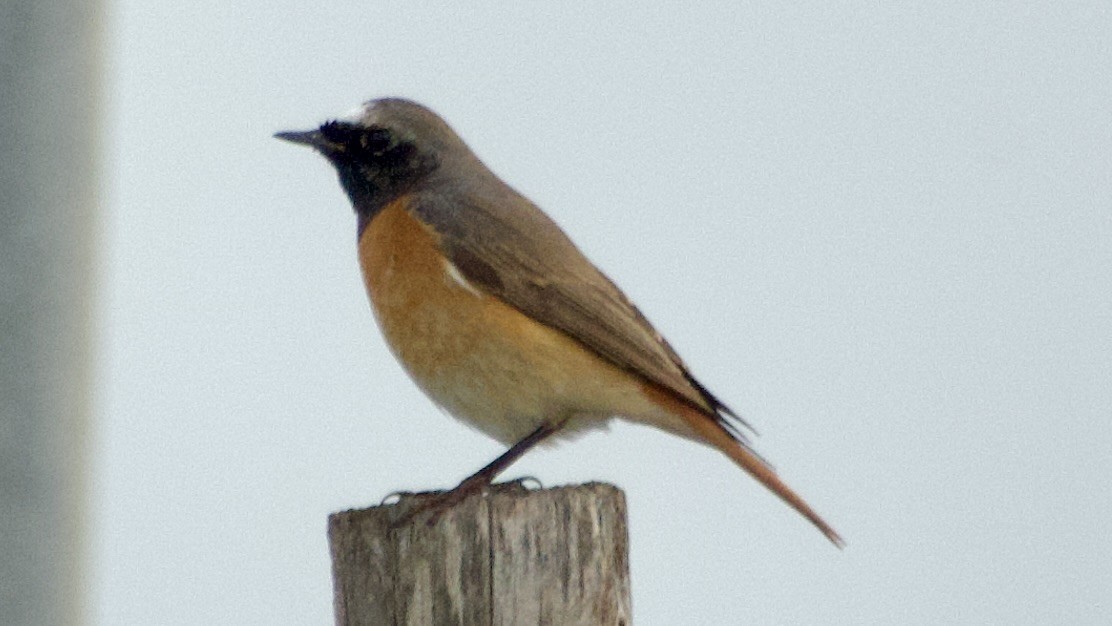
(509, 556)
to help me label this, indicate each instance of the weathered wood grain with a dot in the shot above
(513, 556)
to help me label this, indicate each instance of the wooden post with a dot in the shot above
(512, 556)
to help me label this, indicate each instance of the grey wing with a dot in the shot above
(514, 251)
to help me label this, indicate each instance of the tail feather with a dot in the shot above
(757, 468)
(715, 434)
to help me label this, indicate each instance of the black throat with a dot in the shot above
(373, 186)
(367, 197)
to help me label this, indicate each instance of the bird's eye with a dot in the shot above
(359, 141)
(376, 140)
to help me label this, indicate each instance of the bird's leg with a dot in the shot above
(487, 475)
(480, 480)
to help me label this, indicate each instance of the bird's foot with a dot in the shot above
(431, 506)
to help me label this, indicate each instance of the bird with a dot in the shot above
(495, 313)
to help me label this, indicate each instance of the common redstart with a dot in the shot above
(494, 312)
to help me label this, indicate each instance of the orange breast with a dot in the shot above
(432, 322)
(482, 360)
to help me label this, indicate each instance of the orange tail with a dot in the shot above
(714, 434)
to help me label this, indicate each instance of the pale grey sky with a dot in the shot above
(882, 232)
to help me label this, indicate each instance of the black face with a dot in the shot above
(363, 143)
(374, 163)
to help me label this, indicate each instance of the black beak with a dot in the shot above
(312, 138)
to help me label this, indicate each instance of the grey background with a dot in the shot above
(882, 232)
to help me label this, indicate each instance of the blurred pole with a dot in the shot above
(51, 64)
